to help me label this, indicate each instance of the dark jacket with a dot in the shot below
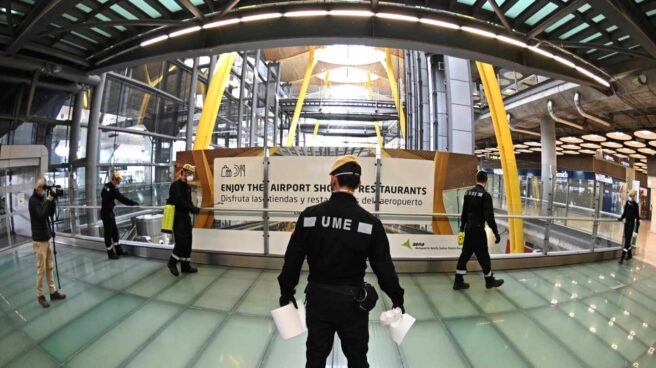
(180, 197)
(477, 209)
(40, 208)
(109, 194)
(337, 237)
(631, 214)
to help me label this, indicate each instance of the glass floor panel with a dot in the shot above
(133, 313)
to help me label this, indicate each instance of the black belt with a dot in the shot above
(347, 290)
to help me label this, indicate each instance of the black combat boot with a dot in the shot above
(460, 283)
(185, 267)
(629, 255)
(111, 254)
(622, 257)
(173, 266)
(119, 250)
(491, 282)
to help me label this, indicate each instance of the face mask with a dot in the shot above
(190, 178)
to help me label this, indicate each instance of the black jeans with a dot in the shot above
(327, 313)
(182, 230)
(110, 230)
(475, 243)
(628, 234)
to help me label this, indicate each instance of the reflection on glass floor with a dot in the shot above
(133, 313)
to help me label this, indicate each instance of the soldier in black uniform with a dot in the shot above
(180, 197)
(476, 211)
(337, 237)
(632, 215)
(108, 195)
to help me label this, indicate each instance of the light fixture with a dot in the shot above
(559, 148)
(535, 149)
(439, 23)
(619, 155)
(306, 13)
(221, 23)
(645, 134)
(264, 16)
(571, 140)
(479, 32)
(638, 156)
(184, 31)
(594, 138)
(511, 41)
(628, 151)
(350, 55)
(606, 150)
(635, 144)
(611, 144)
(571, 152)
(558, 143)
(588, 152)
(647, 151)
(533, 144)
(524, 151)
(352, 13)
(559, 154)
(395, 16)
(620, 136)
(521, 146)
(154, 40)
(570, 147)
(590, 145)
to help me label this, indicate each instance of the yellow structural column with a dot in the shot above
(213, 101)
(389, 68)
(507, 153)
(301, 97)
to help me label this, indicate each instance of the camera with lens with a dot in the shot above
(54, 190)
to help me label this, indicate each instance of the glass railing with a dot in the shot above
(267, 231)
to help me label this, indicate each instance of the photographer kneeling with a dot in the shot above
(40, 209)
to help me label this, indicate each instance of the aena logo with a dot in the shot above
(409, 245)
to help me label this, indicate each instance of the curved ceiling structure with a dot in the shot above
(601, 37)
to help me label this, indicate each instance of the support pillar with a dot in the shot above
(267, 95)
(549, 163)
(459, 105)
(440, 113)
(192, 106)
(252, 140)
(73, 144)
(91, 172)
(423, 120)
(242, 85)
(276, 106)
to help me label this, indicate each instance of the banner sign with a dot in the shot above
(297, 182)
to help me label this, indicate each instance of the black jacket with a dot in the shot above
(477, 209)
(631, 214)
(40, 208)
(180, 197)
(109, 194)
(337, 237)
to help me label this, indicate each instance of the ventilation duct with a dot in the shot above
(513, 128)
(552, 113)
(593, 118)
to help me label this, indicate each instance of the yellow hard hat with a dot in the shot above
(118, 176)
(346, 164)
(189, 167)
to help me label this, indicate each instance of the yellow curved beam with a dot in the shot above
(213, 101)
(389, 68)
(301, 97)
(507, 153)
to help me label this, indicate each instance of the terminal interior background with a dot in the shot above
(84, 99)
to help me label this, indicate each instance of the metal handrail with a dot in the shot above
(381, 213)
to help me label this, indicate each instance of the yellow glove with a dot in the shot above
(461, 238)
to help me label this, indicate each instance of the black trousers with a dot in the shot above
(475, 243)
(182, 230)
(110, 230)
(629, 226)
(328, 313)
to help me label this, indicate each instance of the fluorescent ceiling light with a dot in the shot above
(256, 17)
(439, 23)
(154, 40)
(511, 41)
(184, 31)
(564, 61)
(575, 140)
(588, 152)
(570, 147)
(221, 23)
(612, 144)
(635, 144)
(594, 138)
(645, 134)
(479, 32)
(306, 13)
(394, 16)
(571, 152)
(352, 13)
(538, 50)
(620, 136)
